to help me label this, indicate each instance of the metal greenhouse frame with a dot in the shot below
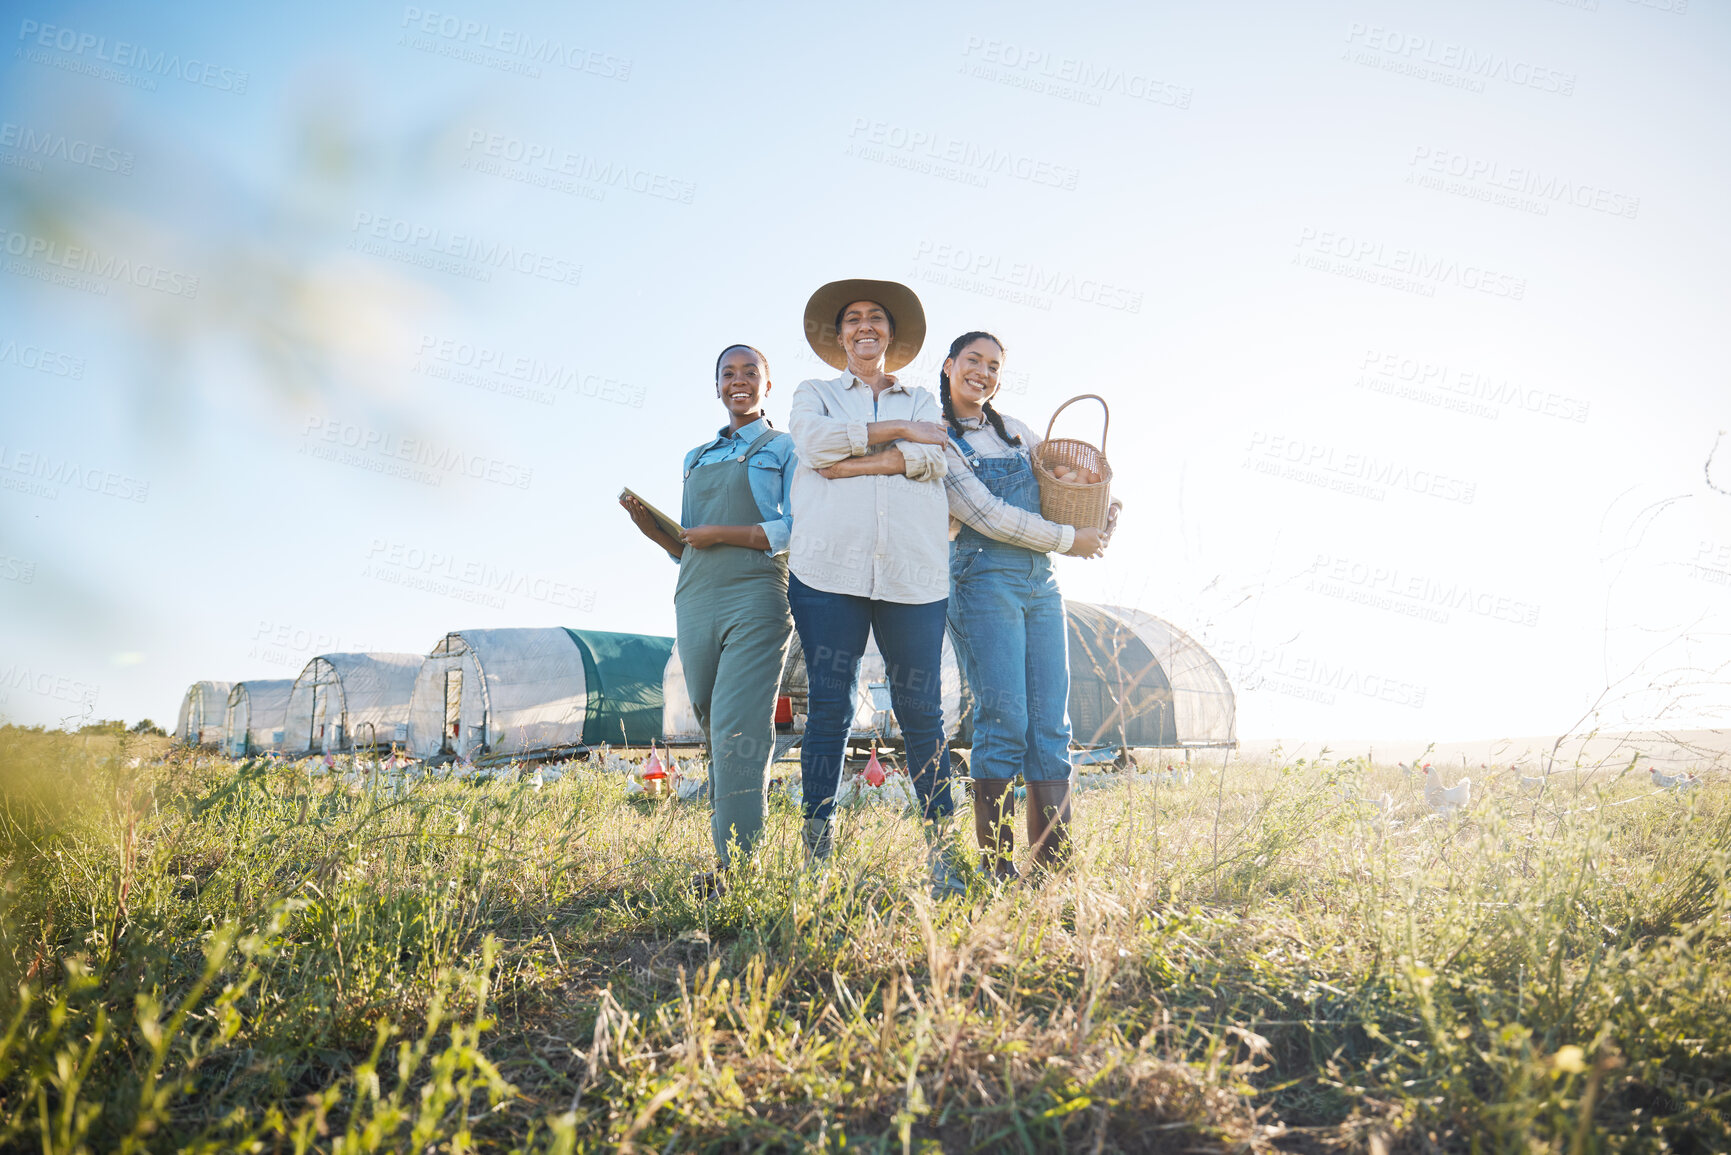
(351, 701)
(203, 714)
(254, 721)
(1138, 680)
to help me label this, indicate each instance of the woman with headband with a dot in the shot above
(731, 599)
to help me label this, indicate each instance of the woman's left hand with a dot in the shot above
(703, 536)
(1112, 518)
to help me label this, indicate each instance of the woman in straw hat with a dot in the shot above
(731, 600)
(1005, 612)
(868, 555)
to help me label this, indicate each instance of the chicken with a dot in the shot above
(1445, 800)
(1173, 776)
(1673, 781)
(1529, 781)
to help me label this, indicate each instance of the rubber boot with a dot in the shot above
(995, 826)
(1049, 823)
(818, 835)
(948, 878)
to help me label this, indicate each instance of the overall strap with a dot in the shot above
(973, 459)
(763, 439)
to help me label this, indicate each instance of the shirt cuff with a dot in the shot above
(857, 440)
(1066, 538)
(778, 533)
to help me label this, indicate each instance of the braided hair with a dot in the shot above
(992, 416)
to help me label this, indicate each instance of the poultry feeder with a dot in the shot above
(654, 776)
(874, 770)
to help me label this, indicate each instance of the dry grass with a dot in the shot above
(206, 956)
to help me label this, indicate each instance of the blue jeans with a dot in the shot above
(1007, 620)
(832, 630)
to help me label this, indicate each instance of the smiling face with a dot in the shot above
(973, 374)
(865, 332)
(742, 382)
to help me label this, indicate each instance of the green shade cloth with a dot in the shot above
(623, 674)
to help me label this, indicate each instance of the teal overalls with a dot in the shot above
(733, 632)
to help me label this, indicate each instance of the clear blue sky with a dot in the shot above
(1411, 317)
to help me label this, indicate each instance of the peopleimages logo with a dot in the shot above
(16, 569)
(1413, 594)
(49, 471)
(1358, 474)
(1373, 260)
(467, 579)
(56, 686)
(1067, 76)
(79, 259)
(1026, 276)
(1383, 372)
(42, 145)
(888, 141)
(87, 46)
(1490, 177)
(526, 47)
(350, 444)
(284, 644)
(42, 360)
(1469, 63)
(524, 376)
(537, 159)
(1312, 678)
(427, 245)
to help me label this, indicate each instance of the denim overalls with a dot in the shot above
(1006, 617)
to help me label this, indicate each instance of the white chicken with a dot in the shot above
(1672, 781)
(1445, 800)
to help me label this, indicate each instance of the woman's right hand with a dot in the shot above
(1089, 542)
(646, 524)
(641, 517)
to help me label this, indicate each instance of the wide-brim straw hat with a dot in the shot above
(897, 299)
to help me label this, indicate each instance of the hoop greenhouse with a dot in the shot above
(521, 691)
(203, 713)
(350, 701)
(254, 721)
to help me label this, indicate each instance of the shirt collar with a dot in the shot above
(746, 432)
(848, 381)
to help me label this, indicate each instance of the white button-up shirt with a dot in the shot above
(884, 537)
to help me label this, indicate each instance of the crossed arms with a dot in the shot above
(838, 446)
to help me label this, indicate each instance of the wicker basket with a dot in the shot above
(1081, 504)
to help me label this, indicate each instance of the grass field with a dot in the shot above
(208, 956)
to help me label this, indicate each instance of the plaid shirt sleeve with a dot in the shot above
(972, 503)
